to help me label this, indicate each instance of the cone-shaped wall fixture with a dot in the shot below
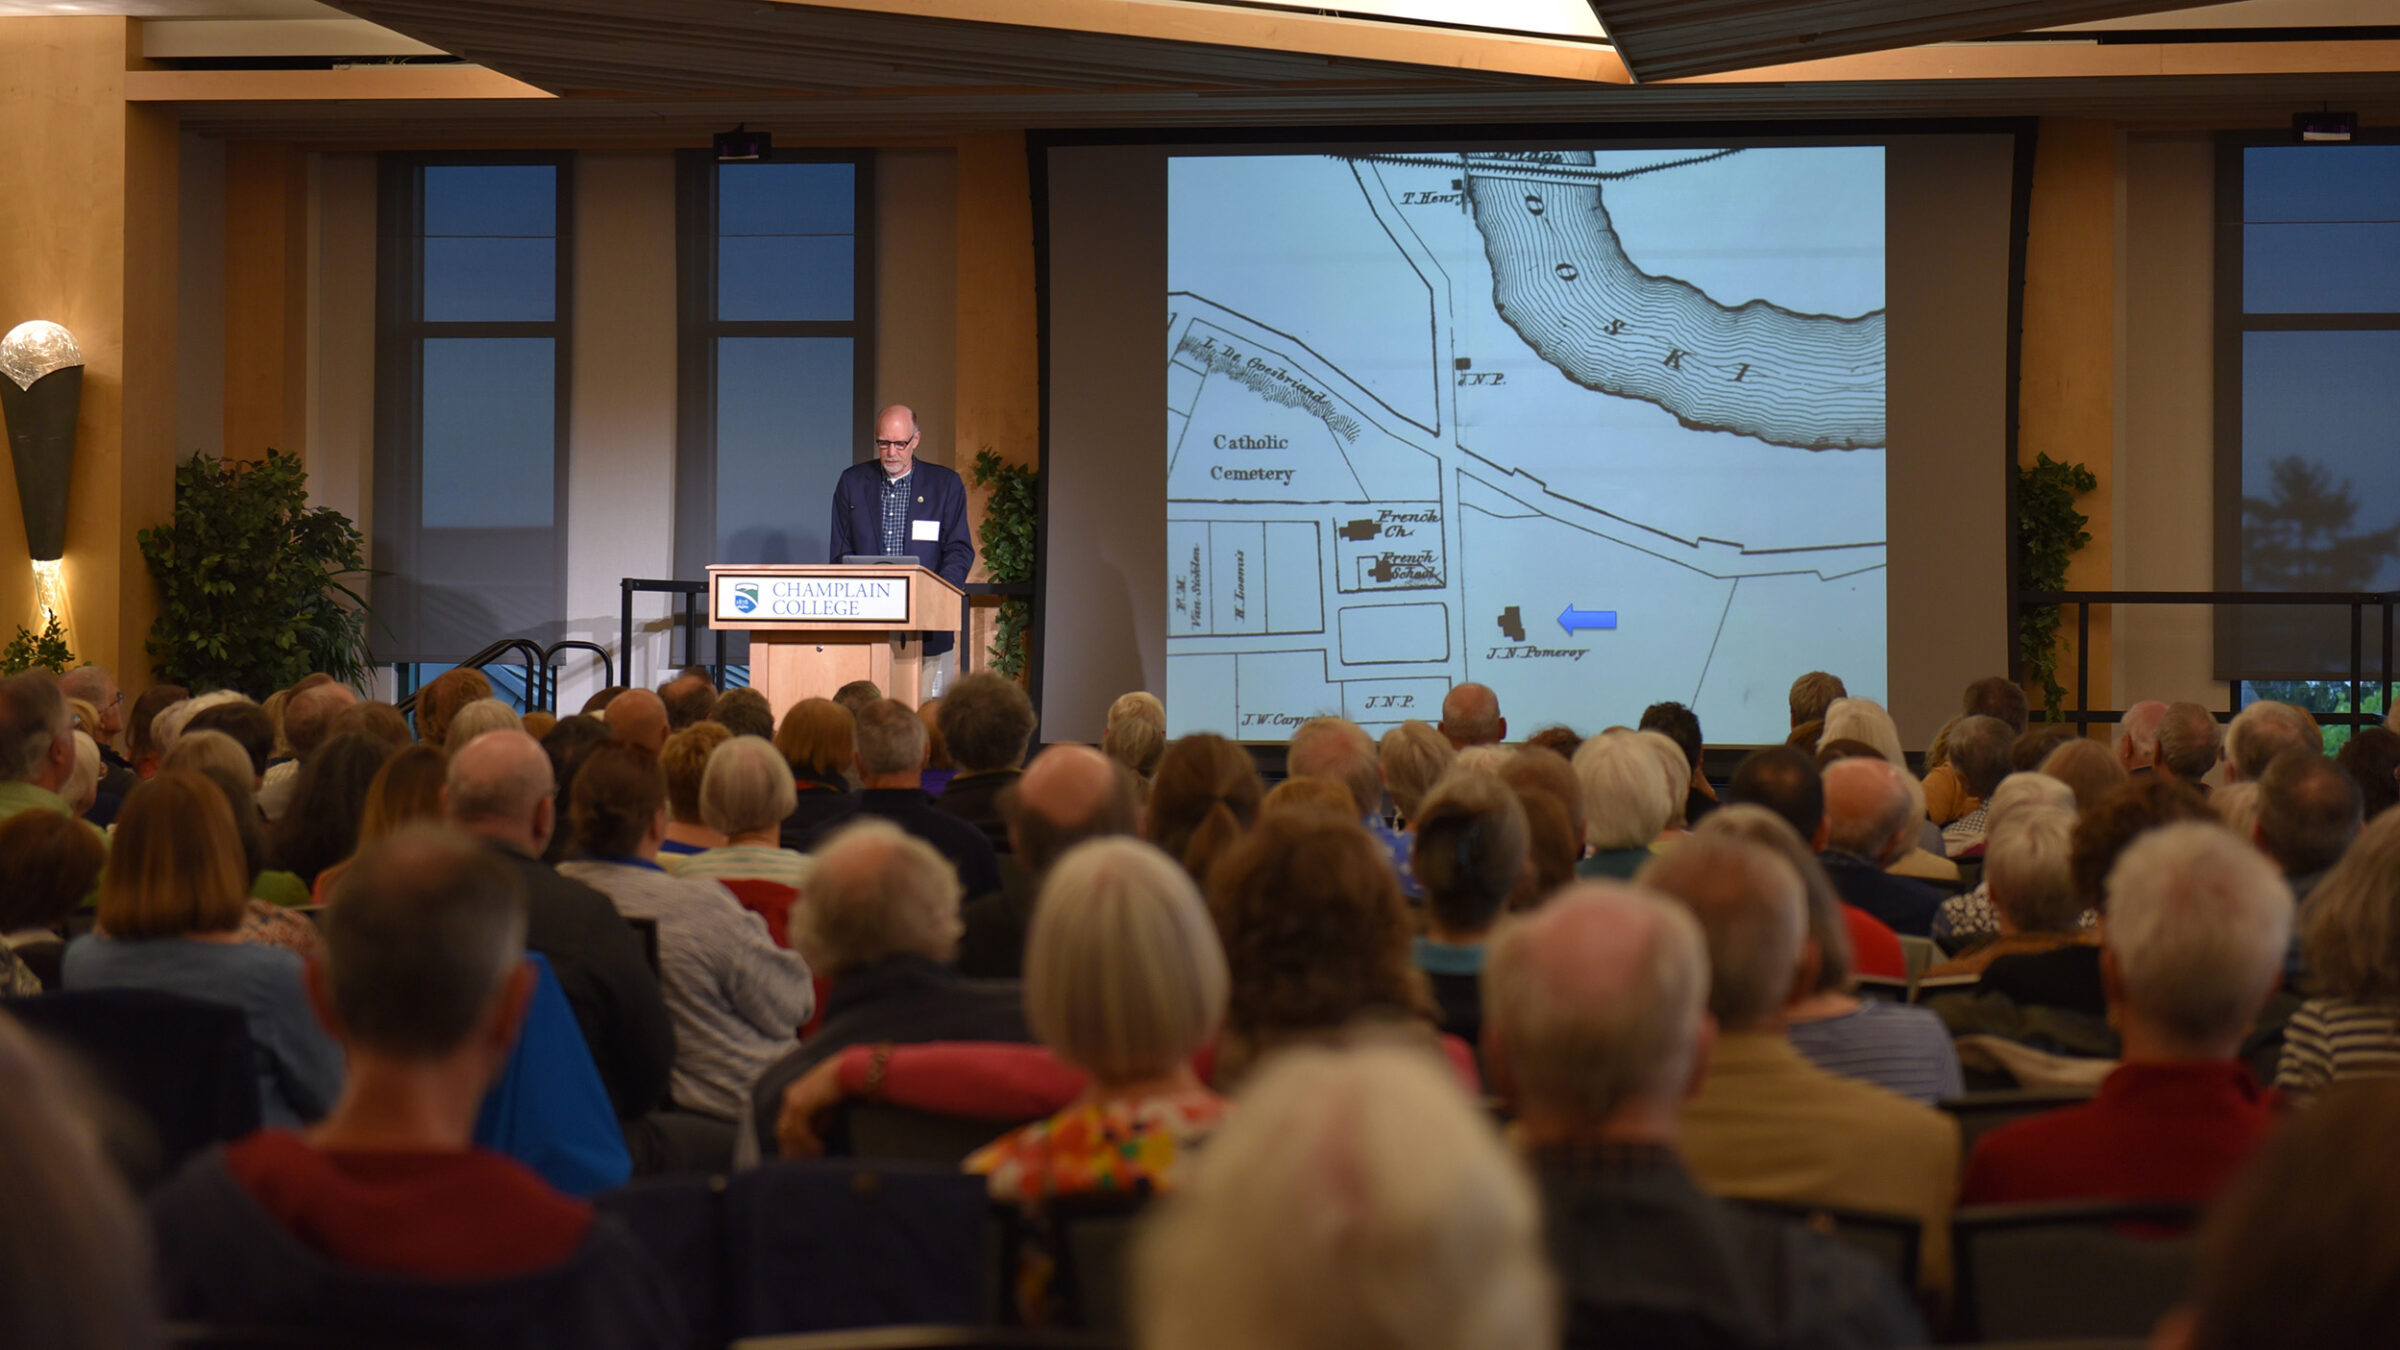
(40, 397)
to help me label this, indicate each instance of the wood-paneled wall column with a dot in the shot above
(88, 199)
(2067, 394)
(999, 362)
(266, 299)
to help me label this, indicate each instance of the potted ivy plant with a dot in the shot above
(251, 578)
(1009, 516)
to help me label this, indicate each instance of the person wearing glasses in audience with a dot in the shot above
(894, 505)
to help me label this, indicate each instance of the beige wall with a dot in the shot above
(200, 301)
(2163, 489)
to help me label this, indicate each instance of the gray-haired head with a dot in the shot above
(419, 938)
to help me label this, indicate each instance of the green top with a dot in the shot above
(284, 889)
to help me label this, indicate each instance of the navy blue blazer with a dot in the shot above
(940, 496)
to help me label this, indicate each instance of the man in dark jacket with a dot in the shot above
(897, 504)
(384, 1218)
(500, 791)
(1595, 1032)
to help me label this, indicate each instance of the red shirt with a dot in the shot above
(2168, 1132)
(1874, 947)
(439, 1216)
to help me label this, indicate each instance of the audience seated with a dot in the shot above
(1125, 980)
(2298, 1253)
(818, 739)
(737, 1000)
(376, 718)
(74, 1264)
(327, 799)
(1136, 734)
(689, 698)
(1784, 781)
(2189, 739)
(1597, 1033)
(1964, 919)
(881, 925)
(248, 725)
(172, 905)
(1895, 1046)
(499, 792)
(1338, 751)
(142, 749)
(1562, 741)
(684, 759)
(637, 717)
(2026, 753)
(442, 697)
(483, 715)
(2372, 759)
(1350, 1200)
(2087, 768)
(1626, 804)
(856, 695)
(939, 767)
(1680, 725)
(37, 749)
(2029, 884)
(744, 712)
(1677, 772)
(1204, 797)
(1811, 695)
(1471, 845)
(308, 718)
(1070, 794)
(2136, 740)
(1766, 1123)
(48, 864)
(405, 791)
(2263, 731)
(599, 701)
(1321, 795)
(1317, 939)
(216, 757)
(1979, 762)
(96, 686)
(1412, 756)
(891, 760)
(2197, 926)
(1471, 716)
(2068, 977)
(988, 722)
(385, 1219)
(2350, 1024)
(745, 794)
(1870, 821)
(2308, 812)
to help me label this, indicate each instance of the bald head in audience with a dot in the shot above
(1868, 809)
(1596, 1023)
(500, 787)
(1069, 794)
(1471, 716)
(638, 717)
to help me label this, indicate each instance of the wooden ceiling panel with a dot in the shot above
(1667, 39)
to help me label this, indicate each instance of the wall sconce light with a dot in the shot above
(41, 398)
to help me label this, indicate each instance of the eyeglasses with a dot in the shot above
(882, 444)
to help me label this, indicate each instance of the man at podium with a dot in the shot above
(893, 506)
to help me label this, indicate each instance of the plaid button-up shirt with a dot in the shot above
(895, 511)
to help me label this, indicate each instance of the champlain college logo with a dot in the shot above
(745, 596)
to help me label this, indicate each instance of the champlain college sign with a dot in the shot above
(774, 598)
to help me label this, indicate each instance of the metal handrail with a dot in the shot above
(2083, 715)
(534, 664)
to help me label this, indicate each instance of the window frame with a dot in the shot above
(697, 329)
(400, 332)
(2233, 324)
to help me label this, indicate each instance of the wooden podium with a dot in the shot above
(815, 628)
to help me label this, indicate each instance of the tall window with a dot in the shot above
(776, 363)
(471, 397)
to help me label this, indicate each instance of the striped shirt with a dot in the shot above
(1903, 1049)
(745, 862)
(2333, 1038)
(737, 999)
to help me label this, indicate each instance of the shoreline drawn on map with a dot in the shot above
(1562, 280)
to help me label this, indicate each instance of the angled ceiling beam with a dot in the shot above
(1671, 39)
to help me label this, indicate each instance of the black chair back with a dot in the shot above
(647, 931)
(1980, 1113)
(901, 1134)
(2052, 1271)
(833, 1243)
(184, 1066)
(1894, 1241)
(1092, 1240)
(935, 1338)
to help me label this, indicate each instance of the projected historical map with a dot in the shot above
(1596, 428)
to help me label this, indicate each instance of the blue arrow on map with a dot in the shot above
(1572, 618)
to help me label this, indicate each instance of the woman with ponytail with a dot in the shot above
(1204, 799)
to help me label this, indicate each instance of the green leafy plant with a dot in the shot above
(251, 595)
(2049, 531)
(1007, 543)
(48, 650)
